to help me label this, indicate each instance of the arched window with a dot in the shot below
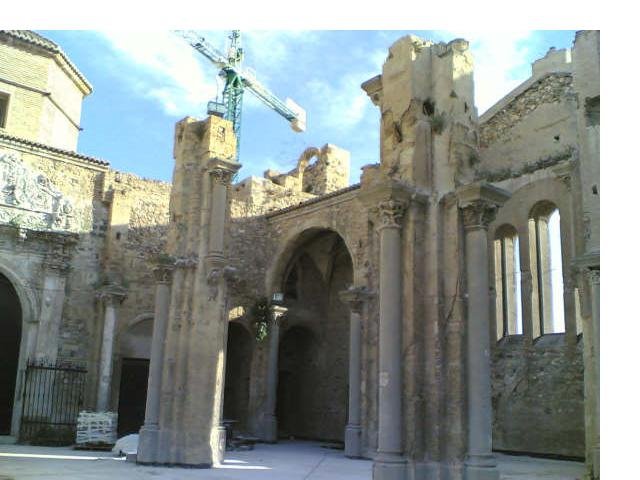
(546, 269)
(506, 257)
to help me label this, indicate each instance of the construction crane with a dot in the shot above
(236, 80)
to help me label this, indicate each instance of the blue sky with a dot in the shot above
(144, 82)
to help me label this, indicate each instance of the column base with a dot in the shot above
(481, 467)
(218, 447)
(270, 429)
(148, 444)
(352, 434)
(389, 466)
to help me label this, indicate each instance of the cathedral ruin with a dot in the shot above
(443, 308)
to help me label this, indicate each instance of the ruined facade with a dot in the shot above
(444, 307)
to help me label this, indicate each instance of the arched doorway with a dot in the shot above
(11, 327)
(313, 360)
(237, 376)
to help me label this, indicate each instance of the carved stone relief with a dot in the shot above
(29, 200)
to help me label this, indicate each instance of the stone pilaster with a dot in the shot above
(55, 269)
(389, 463)
(587, 268)
(479, 204)
(271, 421)
(148, 442)
(356, 299)
(111, 296)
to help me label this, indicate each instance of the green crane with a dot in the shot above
(236, 80)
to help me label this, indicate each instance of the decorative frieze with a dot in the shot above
(29, 200)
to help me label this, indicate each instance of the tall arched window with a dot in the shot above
(546, 269)
(507, 282)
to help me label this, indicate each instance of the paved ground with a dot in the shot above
(284, 461)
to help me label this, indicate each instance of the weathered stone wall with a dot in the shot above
(102, 251)
(536, 129)
(537, 396)
(529, 146)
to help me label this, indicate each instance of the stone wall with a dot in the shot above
(537, 397)
(529, 147)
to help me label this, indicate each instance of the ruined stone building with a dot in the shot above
(445, 306)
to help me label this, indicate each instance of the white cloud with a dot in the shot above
(163, 67)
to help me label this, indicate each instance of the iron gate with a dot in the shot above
(52, 396)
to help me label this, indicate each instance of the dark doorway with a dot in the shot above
(133, 395)
(237, 376)
(298, 400)
(11, 327)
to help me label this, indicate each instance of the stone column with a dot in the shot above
(112, 296)
(149, 432)
(594, 281)
(355, 298)
(389, 463)
(271, 422)
(479, 204)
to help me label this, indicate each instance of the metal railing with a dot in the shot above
(52, 396)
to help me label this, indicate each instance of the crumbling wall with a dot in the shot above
(536, 129)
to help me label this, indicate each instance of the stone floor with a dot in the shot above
(284, 461)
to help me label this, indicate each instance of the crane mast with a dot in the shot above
(236, 80)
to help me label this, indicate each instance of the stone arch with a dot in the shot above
(304, 159)
(28, 331)
(292, 241)
(25, 294)
(312, 392)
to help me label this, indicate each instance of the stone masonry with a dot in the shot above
(388, 316)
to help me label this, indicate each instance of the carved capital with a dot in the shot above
(355, 298)
(221, 171)
(188, 261)
(163, 272)
(112, 294)
(57, 264)
(277, 314)
(478, 214)
(221, 176)
(218, 273)
(390, 213)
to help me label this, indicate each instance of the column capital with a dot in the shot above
(221, 171)
(187, 261)
(59, 265)
(390, 213)
(112, 294)
(479, 203)
(163, 272)
(478, 214)
(277, 312)
(355, 298)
